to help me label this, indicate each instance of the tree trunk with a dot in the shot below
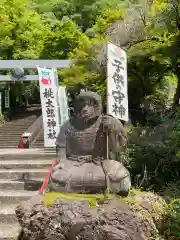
(177, 67)
(177, 93)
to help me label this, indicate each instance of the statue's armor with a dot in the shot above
(88, 141)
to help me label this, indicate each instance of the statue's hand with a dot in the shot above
(58, 166)
(107, 123)
(61, 153)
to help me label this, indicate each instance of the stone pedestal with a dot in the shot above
(68, 219)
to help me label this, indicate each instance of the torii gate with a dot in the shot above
(29, 64)
(20, 76)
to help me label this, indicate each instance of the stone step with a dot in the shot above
(10, 141)
(14, 197)
(18, 127)
(45, 158)
(30, 185)
(8, 147)
(12, 164)
(22, 119)
(48, 158)
(21, 174)
(9, 232)
(12, 133)
(9, 137)
(19, 124)
(7, 214)
(38, 145)
(12, 144)
(40, 141)
(3, 141)
(14, 130)
(25, 154)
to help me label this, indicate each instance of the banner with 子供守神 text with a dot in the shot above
(117, 86)
(49, 104)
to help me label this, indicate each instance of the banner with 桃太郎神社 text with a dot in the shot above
(49, 104)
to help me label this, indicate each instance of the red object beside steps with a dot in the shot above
(47, 178)
(21, 145)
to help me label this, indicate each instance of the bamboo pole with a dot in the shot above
(107, 134)
(107, 143)
(106, 172)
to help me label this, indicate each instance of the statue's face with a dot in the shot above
(86, 108)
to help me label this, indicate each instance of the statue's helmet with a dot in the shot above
(88, 95)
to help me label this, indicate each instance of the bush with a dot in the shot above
(154, 154)
(173, 230)
(171, 194)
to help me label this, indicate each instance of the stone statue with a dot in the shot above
(82, 144)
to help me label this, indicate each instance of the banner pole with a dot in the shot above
(107, 137)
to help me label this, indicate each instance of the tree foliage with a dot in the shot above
(22, 31)
(147, 30)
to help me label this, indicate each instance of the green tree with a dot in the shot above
(22, 33)
(22, 36)
(62, 40)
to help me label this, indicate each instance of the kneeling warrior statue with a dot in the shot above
(82, 146)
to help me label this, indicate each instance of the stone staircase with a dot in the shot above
(22, 172)
(10, 132)
(39, 143)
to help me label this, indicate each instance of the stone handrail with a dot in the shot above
(31, 134)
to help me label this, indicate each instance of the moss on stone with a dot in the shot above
(134, 200)
(51, 197)
(150, 208)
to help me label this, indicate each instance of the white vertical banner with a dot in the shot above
(49, 104)
(0, 102)
(57, 96)
(117, 85)
(6, 98)
(64, 113)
